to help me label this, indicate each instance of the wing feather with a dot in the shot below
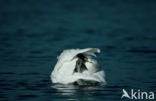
(68, 55)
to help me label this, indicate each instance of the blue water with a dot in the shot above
(33, 33)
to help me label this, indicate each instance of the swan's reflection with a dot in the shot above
(64, 89)
(74, 89)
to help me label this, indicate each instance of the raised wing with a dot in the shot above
(68, 55)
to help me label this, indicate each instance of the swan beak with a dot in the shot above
(86, 59)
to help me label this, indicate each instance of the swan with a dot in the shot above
(76, 66)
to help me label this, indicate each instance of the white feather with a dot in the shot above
(63, 70)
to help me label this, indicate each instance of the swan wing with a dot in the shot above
(64, 74)
(68, 55)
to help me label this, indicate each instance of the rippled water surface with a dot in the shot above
(33, 33)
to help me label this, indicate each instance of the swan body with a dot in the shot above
(72, 67)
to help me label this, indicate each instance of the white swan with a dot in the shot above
(76, 66)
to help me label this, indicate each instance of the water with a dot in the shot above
(33, 33)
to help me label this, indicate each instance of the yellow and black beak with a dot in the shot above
(82, 57)
(86, 59)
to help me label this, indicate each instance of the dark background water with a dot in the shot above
(34, 32)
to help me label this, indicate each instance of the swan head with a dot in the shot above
(80, 63)
(86, 63)
(82, 57)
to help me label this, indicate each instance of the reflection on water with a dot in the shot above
(65, 89)
(72, 89)
(73, 92)
(33, 33)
